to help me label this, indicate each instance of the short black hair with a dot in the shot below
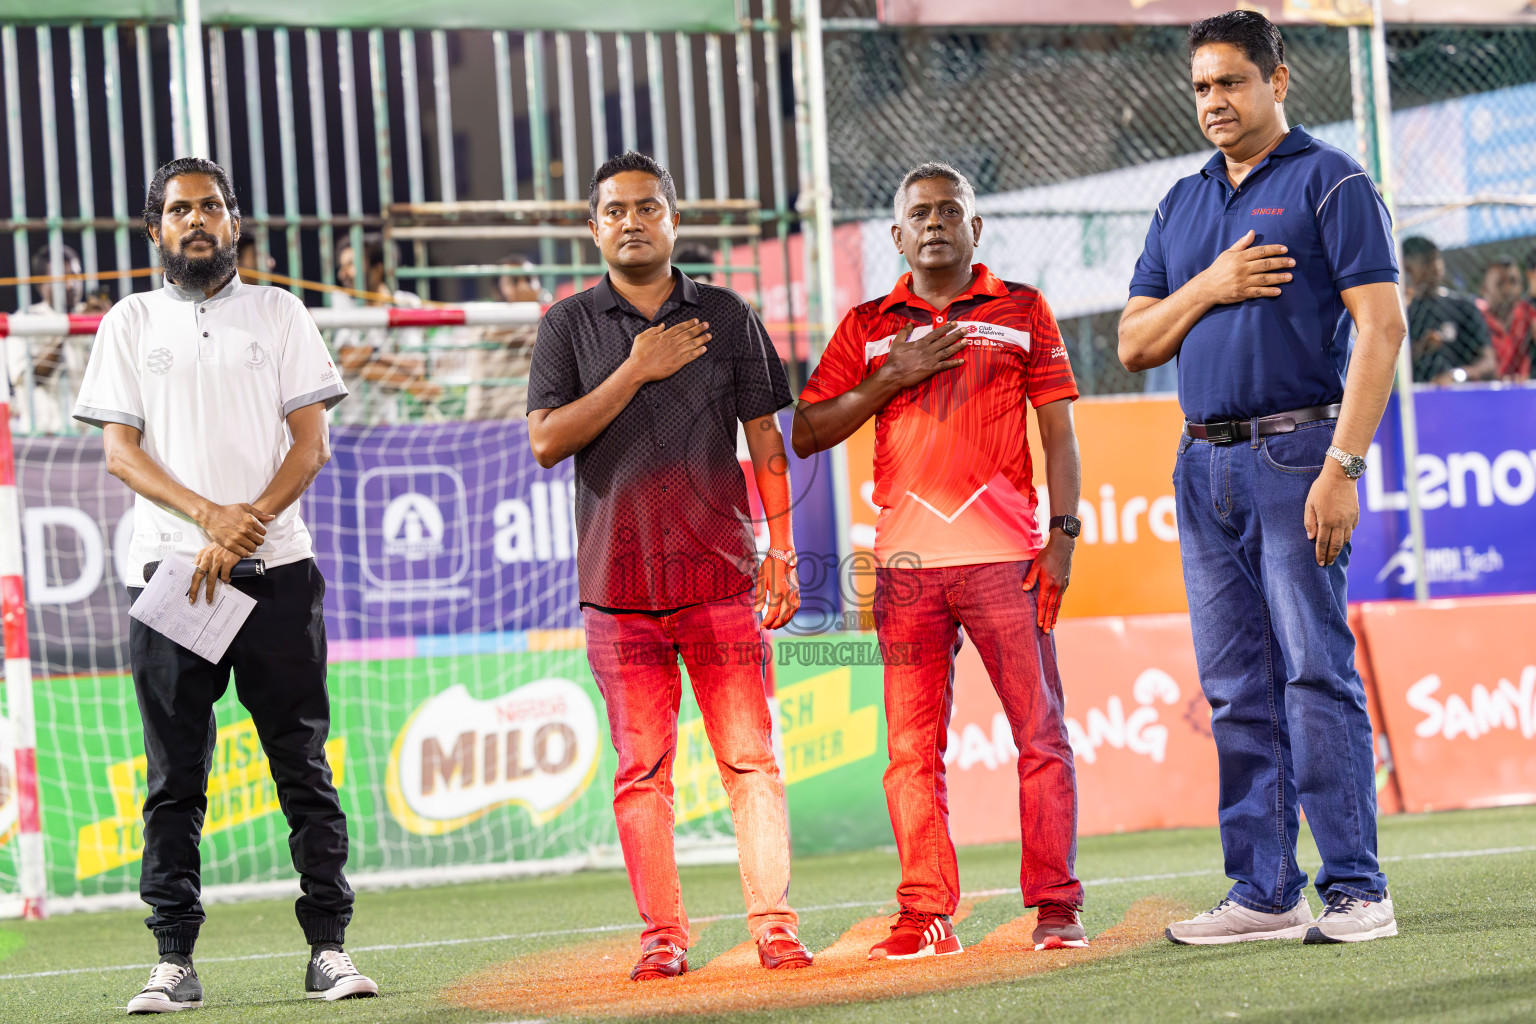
(42, 263)
(631, 161)
(1417, 247)
(1249, 31)
(1529, 265)
(373, 249)
(154, 199)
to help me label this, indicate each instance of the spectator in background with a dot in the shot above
(1529, 266)
(1448, 332)
(491, 396)
(377, 377)
(694, 253)
(1511, 320)
(45, 370)
(249, 260)
(96, 303)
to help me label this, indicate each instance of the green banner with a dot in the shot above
(595, 16)
(447, 761)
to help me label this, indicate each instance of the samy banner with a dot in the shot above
(1182, 12)
(1457, 680)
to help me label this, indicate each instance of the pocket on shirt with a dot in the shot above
(1303, 450)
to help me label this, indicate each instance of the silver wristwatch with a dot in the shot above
(1354, 465)
(790, 558)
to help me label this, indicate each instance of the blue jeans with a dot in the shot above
(1277, 663)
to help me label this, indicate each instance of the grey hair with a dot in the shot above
(936, 169)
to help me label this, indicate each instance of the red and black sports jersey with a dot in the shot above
(952, 464)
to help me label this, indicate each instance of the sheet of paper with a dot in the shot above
(202, 628)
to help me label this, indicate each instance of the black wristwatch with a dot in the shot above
(1069, 525)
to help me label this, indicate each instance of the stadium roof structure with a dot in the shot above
(594, 15)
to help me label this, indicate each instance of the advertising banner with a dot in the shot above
(1458, 694)
(1139, 726)
(1476, 479)
(450, 761)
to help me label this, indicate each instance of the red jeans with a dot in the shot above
(924, 609)
(634, 659)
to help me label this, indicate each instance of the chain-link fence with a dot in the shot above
(1072, 135)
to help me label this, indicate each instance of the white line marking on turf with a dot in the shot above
(602, 928)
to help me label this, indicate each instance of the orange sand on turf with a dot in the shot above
(592, 980)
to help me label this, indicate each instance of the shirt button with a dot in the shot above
(201, 310)
(938, 319)
(205, 334)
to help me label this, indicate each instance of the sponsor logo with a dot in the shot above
(159, 361)
(1504, 706)
(1268, 211)
(413, 527)
(1140, 732)
(240, 790)
(1508, 478)
(414, 524)
(1441, 565)
(255, 356)
(539, 527)
(459, 758)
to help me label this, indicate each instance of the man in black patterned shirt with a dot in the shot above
(644, 379)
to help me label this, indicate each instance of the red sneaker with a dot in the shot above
(780, 949)
(917, 933)
(1058, 927)
(661, 959)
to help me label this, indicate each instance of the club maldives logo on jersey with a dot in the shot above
(458, 758)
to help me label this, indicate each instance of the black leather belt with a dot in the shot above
(1230, 431)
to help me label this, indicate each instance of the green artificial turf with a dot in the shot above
(1467, 949)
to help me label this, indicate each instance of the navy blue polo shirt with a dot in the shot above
(1269, 355)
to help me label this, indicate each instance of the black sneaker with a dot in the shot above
(331, 976)
(172, 986)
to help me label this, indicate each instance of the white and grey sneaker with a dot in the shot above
(172, 986)
(1348, 919)
(1232, 922)
(332, 976)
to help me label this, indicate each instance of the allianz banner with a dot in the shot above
(444, 530)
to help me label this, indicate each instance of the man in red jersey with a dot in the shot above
(949, 364)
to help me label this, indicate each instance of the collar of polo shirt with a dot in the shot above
(176, 291)
(684, 288)
(1297, 140)
(983, 282)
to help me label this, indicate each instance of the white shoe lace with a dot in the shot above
(166, 975)
(336, 964)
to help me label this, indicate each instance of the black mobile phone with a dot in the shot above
(246, 567)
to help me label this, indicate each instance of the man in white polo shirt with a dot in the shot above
(212, 397)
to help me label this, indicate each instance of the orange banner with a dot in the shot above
(1127, 560)
(1457, 680)
(1140, 729)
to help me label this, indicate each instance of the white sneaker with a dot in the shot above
(172, 986)
(1348, 919)
(1231, 922)
(332, 975)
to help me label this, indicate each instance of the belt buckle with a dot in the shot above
(1222, 433)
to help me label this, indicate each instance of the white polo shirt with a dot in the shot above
(210, 383)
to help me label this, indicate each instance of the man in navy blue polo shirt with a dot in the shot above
(1253, 271)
